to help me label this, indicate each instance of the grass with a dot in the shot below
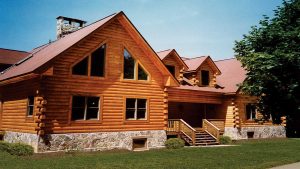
(248, 154)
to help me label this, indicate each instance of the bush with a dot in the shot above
(16, 148)
(225, 140)
(4, 146)
(20, 149)
(174, 143)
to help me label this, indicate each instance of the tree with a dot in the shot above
(271, 55)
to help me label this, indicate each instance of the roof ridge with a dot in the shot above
(163, 50)
(15, 50)
(224, 59)
(49, 44)
(196, 57)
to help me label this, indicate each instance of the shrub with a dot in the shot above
(4, 146)
(225, 140)
(174, 143)
(20, 149)
(16, 148)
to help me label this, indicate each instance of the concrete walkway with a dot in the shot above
(288, 166)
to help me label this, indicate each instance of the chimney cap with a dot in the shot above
(71, 19)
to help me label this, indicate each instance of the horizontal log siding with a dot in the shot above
(112, 88)
(191, 96)
(14, 106)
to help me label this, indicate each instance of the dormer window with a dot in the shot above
(171, 69)
(205, 77)
(132, 68)
(92, 65)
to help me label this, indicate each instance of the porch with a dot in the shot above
(208, 134)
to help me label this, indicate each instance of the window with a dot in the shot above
(130, 67)
(204, 77)
(171, 69)
(30, 105)
(85, 108)
(81, 68)
(251, 111)
(136, 109)
(95, 61)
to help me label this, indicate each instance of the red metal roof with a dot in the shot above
(8, 56)
(48, 52)
(232, 74)
(194, 63)
(164, 53)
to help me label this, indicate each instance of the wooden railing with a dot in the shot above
(180, 126)
(173, 125)
(211, 129)
(220, 123)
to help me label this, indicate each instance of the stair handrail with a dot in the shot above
(211, 129)
(188, 131)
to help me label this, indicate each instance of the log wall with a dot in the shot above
(14, 106)
(112, 88)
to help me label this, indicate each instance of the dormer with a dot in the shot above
(173, 62)
(202, 71)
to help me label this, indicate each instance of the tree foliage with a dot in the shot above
(270, 53)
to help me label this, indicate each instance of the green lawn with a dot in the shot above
(247, 154)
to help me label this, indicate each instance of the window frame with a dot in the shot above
(30, 105)
(135, 120)
(201, 77)
(99, 115)
(174, 69)
(137, 63)
(251, 116)
(89, 56)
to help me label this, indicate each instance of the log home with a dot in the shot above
(102, 86)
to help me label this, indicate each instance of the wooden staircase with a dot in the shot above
(202, 138)
(208, 135)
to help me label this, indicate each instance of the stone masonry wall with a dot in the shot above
(259, 132)
(26, 138)
(88, 141)
(100, 141)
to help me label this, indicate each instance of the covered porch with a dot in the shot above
(198, 117)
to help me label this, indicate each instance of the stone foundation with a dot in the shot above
(88, 141)
(26, 138)
(255, 132)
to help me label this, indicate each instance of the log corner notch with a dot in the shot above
(283, 121)
(236, 115)
(40, 116)
(165, 110)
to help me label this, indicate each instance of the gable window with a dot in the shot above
(91, 65)
(30, 105)
(132, 69)
(85, 108)
(136, 109)
(171, 69)
(204, 77)
(250, 111)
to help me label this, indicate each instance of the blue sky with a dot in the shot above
(192, 27)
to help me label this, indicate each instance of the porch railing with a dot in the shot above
(220, 123)
(211, 129)
(180, 126)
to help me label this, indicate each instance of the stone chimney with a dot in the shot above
(67, 25)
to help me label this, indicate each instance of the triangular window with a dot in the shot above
(142, 75)
(81, 68)
(96, 62)
(132, 69)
